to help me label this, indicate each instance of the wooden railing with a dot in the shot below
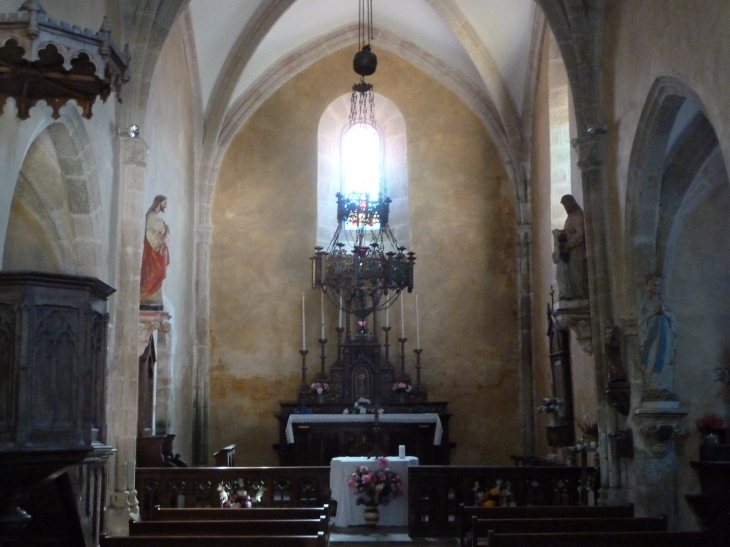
(435, 492)
(199, 486)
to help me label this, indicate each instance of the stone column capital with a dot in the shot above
(590, 151)
(659, 426)
(133, 151)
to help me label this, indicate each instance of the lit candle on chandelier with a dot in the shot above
(304, 328)
(402, 323)
(418, 330)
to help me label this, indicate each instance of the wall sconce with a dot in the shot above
(593, 129)
(132, 131)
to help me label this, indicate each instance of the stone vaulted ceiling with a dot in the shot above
(486, 43)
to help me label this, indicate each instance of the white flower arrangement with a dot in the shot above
(362, 405)
(583, 446)
(550, 405)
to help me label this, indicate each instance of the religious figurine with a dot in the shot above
(570, 253)
(657, 332)
(155, 256)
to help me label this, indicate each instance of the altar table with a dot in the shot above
(422, 418)
(351, 514)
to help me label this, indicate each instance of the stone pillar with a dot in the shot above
(202, 351)
(655, 462)
(122, 394)
(524, 256)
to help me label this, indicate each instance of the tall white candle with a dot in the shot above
(339, 315)
(418, 330)
(304, 328)
(402, 323)
(387, 316)
(321, 309)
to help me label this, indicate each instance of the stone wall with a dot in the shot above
(462, 218)
(687, 42)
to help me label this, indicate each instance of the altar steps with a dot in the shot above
(384, 536)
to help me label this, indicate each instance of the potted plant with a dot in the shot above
(237, 495)
(400, 388)
(712, 427)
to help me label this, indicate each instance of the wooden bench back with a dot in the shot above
(603, 539)
(466, 512)
(480, 527)
(253, 513)
(215, 541)
(292, 527)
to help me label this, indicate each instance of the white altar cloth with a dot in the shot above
(351, 514)
(415, 418)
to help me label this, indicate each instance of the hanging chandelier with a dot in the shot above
(363, 269)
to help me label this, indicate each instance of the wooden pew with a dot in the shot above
(466, 512)
(480, 528)
(215, 541)
(288, 527)
(602, 539)
(253, 513)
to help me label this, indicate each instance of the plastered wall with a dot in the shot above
(687, 41)
(462, 220)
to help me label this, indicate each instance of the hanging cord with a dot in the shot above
(365, 23)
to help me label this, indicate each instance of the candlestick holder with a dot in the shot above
(305, 386)
(402, 355)
(339, 330)
(322, 343)
(387, 344)
(418, 368)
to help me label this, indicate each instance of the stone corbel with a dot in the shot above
(150, 321)
(659, 427)
(575, 315)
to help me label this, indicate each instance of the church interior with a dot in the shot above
(549, 180)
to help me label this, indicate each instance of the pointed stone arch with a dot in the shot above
(674, 142)
(69, 220)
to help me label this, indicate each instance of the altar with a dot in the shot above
(315, 438)
(360, 398)
(351, 514)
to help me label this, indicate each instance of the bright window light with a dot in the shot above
(361, 161)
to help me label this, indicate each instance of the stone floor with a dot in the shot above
(383, 536)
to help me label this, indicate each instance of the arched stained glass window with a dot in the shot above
(362, 158)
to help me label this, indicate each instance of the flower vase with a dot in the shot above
(711, 438)
(371, 515)
(320, 398)
(401, 397)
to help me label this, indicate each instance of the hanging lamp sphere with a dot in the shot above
(365, 62)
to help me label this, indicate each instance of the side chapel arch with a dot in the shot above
(57, 195)
(677, 178)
